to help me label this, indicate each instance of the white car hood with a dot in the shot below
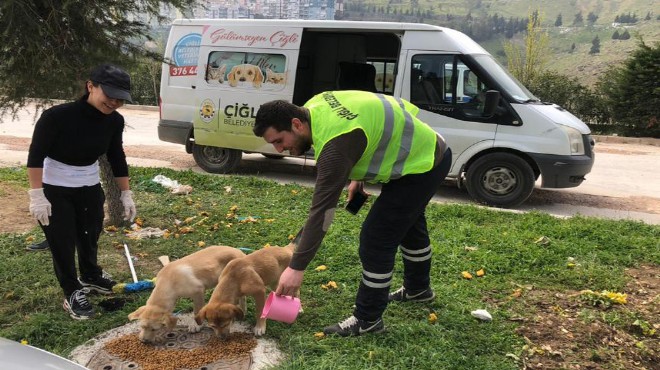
(560, 116)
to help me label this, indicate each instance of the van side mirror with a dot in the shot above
(492, 101)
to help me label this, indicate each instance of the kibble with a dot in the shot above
(148, 357)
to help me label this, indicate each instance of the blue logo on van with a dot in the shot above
(186, 50)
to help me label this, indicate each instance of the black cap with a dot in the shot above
(114, 81)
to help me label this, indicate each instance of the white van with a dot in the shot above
(502, 137)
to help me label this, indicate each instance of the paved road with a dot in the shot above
(622, 185)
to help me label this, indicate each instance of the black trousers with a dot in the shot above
(75, 225)
(397, 218)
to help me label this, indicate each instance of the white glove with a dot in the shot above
(40, 207)
(126, 198)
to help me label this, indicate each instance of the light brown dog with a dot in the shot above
(187, 277)
(245, 72)
(247, 276)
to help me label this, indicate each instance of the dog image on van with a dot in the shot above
(247, 276)
(245, 73)
(188, 277)
(385, 82)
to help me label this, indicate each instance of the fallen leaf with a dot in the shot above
(321, 268)
(110, 229)
(201, 244)
(433, 318)
(466, 275)
(481, 273)
(543, 241)
(227, 189)
(330, 285)
(319, 335)
(471, 249)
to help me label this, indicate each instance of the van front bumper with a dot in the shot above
(177, 132)
(562, 171)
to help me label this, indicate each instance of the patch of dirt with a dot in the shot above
(562, 330)
(14, 209)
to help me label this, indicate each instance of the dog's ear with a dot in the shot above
(259, 76)
(136, 314)
(231, 76)
(237, 312)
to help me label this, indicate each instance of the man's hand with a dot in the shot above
(290, 282)
(126, 198)
(40, 207)
(356, 187)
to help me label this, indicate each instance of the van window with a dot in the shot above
(439, 80)
(385, 76)
(243, 70)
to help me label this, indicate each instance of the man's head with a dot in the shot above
(284, 125)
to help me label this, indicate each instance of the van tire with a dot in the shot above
(500, 180)
(215, 159)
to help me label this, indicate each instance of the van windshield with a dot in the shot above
(504, 78)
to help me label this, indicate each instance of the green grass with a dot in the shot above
(506, 248)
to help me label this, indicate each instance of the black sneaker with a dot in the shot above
(78, 306)
(354, 326)
(101, 284)
(42, 246)
(405, 295)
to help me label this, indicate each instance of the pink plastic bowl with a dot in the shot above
(281, 308)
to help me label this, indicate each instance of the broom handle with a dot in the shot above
(130, 263)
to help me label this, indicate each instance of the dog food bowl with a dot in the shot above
(281, 308)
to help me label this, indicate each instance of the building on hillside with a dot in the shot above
(269, 9)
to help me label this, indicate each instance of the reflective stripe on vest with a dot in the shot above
(388, 129)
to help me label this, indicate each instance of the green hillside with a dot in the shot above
(562, 56)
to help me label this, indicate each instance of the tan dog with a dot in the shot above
(247, 276)
(188, 277)
(245, 72)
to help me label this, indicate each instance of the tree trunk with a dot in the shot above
(114, 210)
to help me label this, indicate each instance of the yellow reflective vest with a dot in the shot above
(398, 143)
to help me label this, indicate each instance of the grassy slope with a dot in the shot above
(587, 68)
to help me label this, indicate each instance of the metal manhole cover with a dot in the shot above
(177, 349)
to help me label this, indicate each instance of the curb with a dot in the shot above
(626, 140)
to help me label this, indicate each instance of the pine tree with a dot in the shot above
(558, 22)
(595, 45)
(615, 35)
(625, 35)
(632, 92)
(579, 20)
(592, 18)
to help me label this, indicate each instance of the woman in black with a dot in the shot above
(66, 197)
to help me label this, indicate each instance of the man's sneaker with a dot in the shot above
(354, 326)
(405, 295)
(78, 306)
(42, 246)
(101, 284)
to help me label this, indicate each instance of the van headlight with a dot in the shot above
(575, 140)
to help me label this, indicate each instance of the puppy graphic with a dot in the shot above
(245, 73)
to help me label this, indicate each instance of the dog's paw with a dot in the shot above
(194, 328)
(259, 330)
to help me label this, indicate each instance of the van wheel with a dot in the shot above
(500, 179)
(216, 160)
